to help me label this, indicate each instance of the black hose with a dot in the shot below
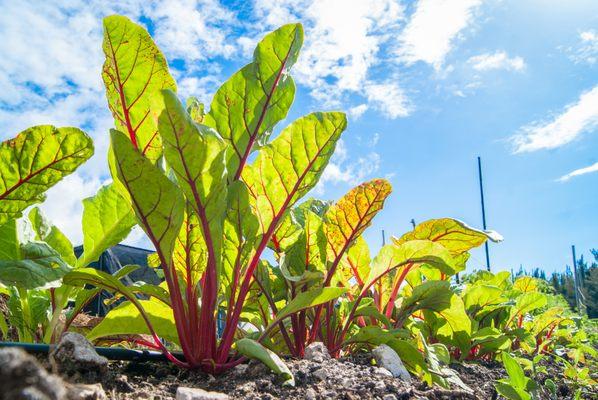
(111, 353)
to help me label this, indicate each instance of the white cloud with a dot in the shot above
(497, 60)
(344, 41)
(586, 51)
(577, 118)
(433, 29)
(357, 111)
(388, 98)
(343, 169)
(578, 172)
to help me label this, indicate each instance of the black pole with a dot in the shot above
(575, 280)
(483, 211)
(383, 238)
(412, 222)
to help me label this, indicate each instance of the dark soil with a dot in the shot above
(352, 378)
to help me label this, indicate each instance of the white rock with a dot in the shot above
(380, 386)
(320, 374)
(185, 393)
(310, 394)
(389, 396)
(317, 352)
(387, 358)
(87, 392)
(75, 353)
(382, 371)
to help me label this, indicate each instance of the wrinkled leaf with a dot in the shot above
(134, 73)
(252, 349)
(36, 160)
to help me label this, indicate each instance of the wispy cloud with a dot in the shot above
(345, 170)
(573, 121)
(497, 61)
(578, 172)
(586, 50)
(344, 42)
(433, 30)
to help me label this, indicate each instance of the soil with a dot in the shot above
(348, 378)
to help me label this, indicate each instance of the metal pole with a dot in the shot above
(575, 280)
(412, 222)
(383, 238)
(483, 211)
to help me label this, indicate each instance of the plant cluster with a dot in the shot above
(250, 270)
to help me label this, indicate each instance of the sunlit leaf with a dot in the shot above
(46, 232)
(247, 106)
(34, 161)
(134, 73)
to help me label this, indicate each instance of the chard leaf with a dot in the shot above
(479, 296)
(39, 267)
(455, 235)
(252, 349)
(346, 220)
(157, 201)
(34, 161)
(412, 252)
(525, 284)
(240, 229)
(356, 264)
(190, 257)
(107, 220)
(451, 324)
(50, 234)
(9, 240)
(248, 105)
(196, 155)
(306, 257)
(430, 295)
(125, 319)
(516, 375)
(308, 299)
(134, 73)
(289, 167)
(528, 302)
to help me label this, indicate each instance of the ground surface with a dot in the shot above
(331, 379)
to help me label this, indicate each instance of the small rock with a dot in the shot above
(87, 392)
(317, 352)
(389, 396)
(240, 369)
(74, 353)
(330, 395)
(320, 374)
(22, 377)
(382, 371)
(389, 359)
(310, 394)
(122, 383)
(380, 386)
(185, 393)
(347, 383)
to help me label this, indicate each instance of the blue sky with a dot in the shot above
(428, 85)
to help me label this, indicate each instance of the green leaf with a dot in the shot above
(157, 201)
(36, 160)
(125, 319)
(134, 73)
(9, 240)
(247, 106)
(107, 220)
(252, 349)
(510, 392)
(240, 229)
(290, 166)
(516, 375)
(39, 267)
(455, 235)
(477, 297)
(527, 302)
(195, 109)
(412, 252)
(46, 232)
(430, 295)
(308, 299)
(196, 155)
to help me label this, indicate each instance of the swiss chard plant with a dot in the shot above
(209, 190)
